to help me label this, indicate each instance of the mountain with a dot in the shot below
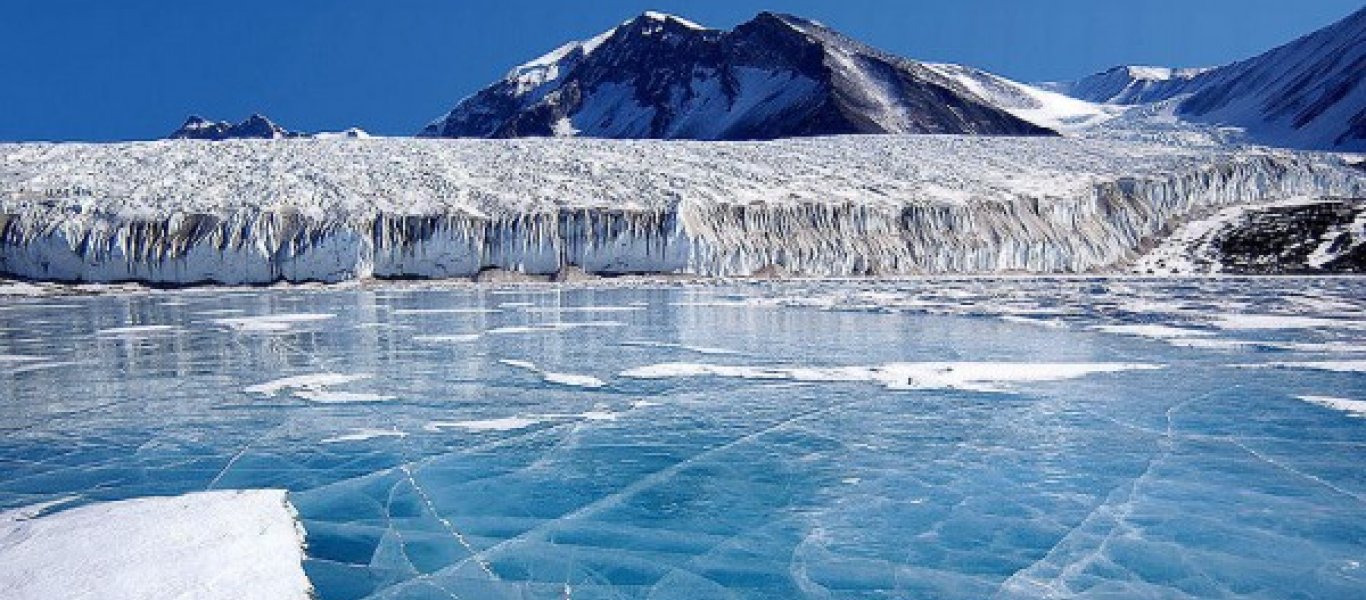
(1308, 93)
(776, 76)
(255, 126)
(1130, 85)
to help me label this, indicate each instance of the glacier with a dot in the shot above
(252, 211)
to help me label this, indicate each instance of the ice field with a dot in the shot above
(927, 438)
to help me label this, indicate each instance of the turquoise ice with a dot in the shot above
(973, 438)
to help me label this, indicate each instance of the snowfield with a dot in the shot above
(226, 544)
(251, 211)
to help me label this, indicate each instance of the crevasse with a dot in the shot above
(309, 210)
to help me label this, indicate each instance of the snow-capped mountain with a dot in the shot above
(660, 76)
(1130, 85)
(255, 126)
(1308, 93)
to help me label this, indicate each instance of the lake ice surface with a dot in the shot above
(1064, 437)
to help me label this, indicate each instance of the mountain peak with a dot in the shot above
(776, 75)
(659, 17)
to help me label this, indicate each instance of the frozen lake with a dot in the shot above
(919, 439)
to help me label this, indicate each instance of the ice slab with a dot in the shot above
(238, 545)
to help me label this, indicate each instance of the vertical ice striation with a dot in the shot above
(333, 210)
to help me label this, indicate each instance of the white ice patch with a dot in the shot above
(1250, 322)
(313, 388)
(1355, 408)
(1049, 323)
(1160, 332)
(582, 309)
(335, 397)
(136, 331)
(239, 545)
(975, 376)
(1338, 366)
(501, 424)
(271, 323)
(445, 311)
(552, 327)
(360, 435)
(446, 339)
(568, 379)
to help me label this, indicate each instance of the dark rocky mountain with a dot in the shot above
(659, 76)
(255, 126)
(1308, 93)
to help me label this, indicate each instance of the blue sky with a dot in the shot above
(133, 69)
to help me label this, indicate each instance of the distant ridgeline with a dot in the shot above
(254, 127)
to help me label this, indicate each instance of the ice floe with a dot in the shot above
(238, 545)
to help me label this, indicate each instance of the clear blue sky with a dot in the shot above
(133, 69)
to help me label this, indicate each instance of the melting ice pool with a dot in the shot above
(924, 439)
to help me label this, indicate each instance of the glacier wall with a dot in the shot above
(312, 210)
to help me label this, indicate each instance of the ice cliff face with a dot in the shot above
(248, 211)
(659, 76)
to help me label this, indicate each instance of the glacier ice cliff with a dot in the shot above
(248, 211)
